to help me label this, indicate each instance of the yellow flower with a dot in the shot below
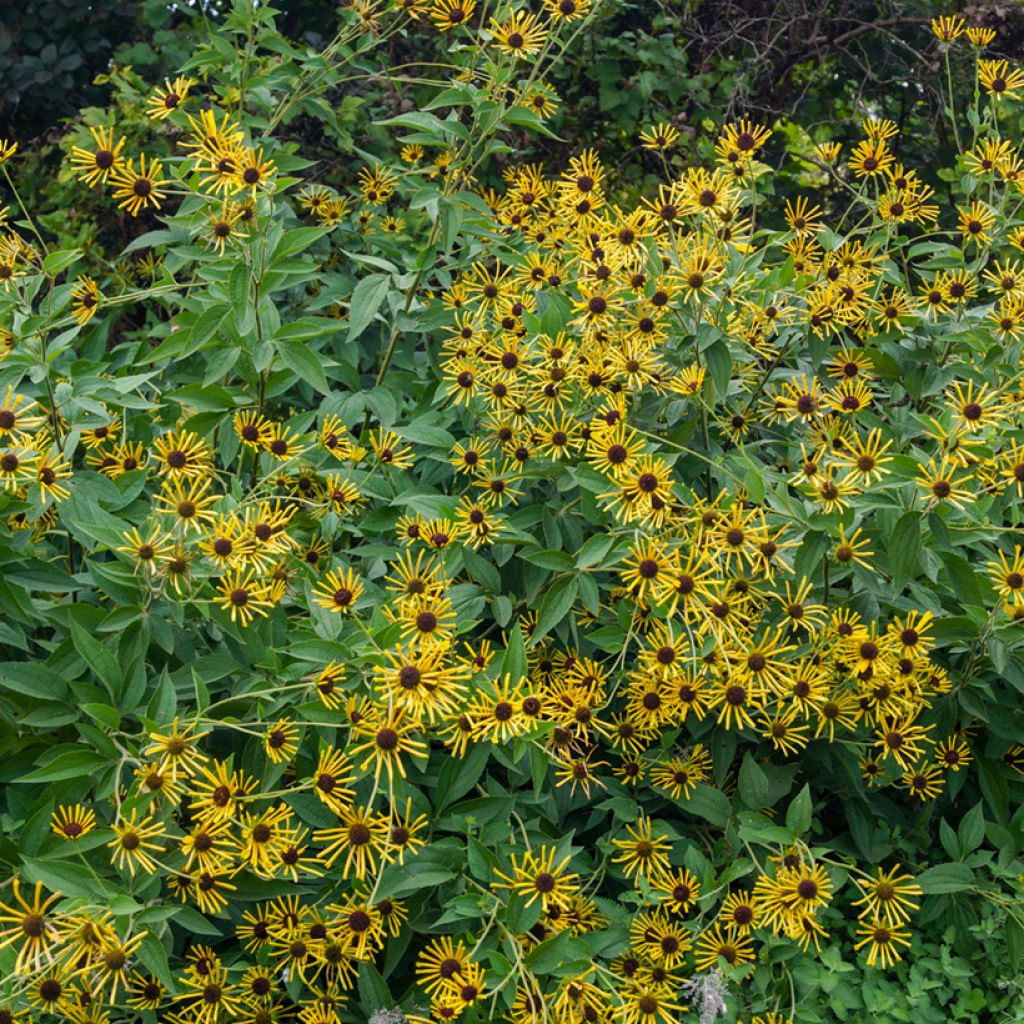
(1007, 576)
(450, 14)
(135, 840)
(86, 300)
(999, 79)
(167, 98)
(222, 225)
(521, 35)
(281, 741)
(390, 450)
(567, 10)
(51, 469)
(339, 591)
(888, 897)
(384, 741)
(73, 822)
(740, 141)
(18, 466)
(883, 942)
(251, 171)
(659, 136)
(139, 189)
(360, 839)
(189, 502)
(976, 223)
(95, 165)
(642, 855)
(870, 157)
(948, 28)
(715, 946)
(980, 37)
(331, 779)
(244, 595)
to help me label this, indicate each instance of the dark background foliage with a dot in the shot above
(681, 60)
(693, 63)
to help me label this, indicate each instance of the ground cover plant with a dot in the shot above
(441, 584)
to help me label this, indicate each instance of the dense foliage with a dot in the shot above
(441, 583)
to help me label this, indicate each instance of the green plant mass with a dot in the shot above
(511, 510)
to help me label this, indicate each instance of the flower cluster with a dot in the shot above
(524, 671)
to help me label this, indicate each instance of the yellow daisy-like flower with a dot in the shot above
(883, 941)
(139, 188)
(567, 10)
(73, 822)
(450, 14)
(29, 923)
(96, 164)
(384, 741)
(643, 854)
(715, 946)
(948, 28)
(135, 841)
(167, 98)
(281, 741)
(244, 595)
(521, 34)
(339, 591)
(659, 136)
(252, 171)
(976, 223)
(999, 80)
(85, 297)
(222, 225)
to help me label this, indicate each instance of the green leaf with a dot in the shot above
(552, 952)
(1015, 942)
(459, 776)
(808, 557)
(304, 363)
(556, 603)
(154, 957)
(719, 362)
(192, 921)
(759, 829)
(753, 783)
(69, 879)
(374, 993)
(75, 763)
(34, 679)
(971, 832)
(103, 664)
(946, 878)
(798, 814)
(420, 120)
(104, 714)
(57, 261)
(399, 882)
(904, 548)
(994, 788)
(240, 293)
(710, 804)
(513, 663)
(963, 577)
(367, 297)
(297, 239)
(594, 550)
(501, 609)
(558, 561)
